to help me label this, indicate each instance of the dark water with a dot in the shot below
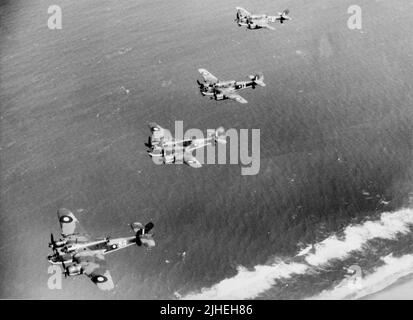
(335, 118)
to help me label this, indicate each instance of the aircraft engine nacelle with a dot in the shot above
(56, 244)
(251, 25)
(219, 96)
(169, 159)
(68, 249)
(59, 244)
(74, 270)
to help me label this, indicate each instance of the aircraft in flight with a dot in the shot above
(258, 21)
(161, 138)
(169, 150)
(78, 253)
(221, 90)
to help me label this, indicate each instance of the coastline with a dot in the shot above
(401, 289)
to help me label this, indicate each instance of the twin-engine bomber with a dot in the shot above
(221, 90)
(168, 150)
(80, 254)
(259, 21)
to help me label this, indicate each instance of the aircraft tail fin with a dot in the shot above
(219, 136)
(284, 16)
(143, 237)
(258, 79)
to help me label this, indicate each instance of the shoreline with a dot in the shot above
(401, 289)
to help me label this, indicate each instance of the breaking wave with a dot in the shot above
(381, 278)
(248, 284)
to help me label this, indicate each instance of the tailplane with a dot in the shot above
(219, 136)
(258, 79)
(143, 237)
(284, 16)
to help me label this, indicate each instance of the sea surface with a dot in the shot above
(335, 183)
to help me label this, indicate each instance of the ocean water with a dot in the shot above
(336, 142)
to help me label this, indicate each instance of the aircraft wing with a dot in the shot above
(67, 222)
(94, 266)
(208, 76)
(234, 96)
(242, 12)
(156, 129)
(190, 160)
(198, 144)
(158, 132)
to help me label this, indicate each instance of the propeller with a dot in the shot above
(149, 143)
(219, 136)
(52, 243)
(237, 18)
(65, 269)
(149, 226)
(201, 86)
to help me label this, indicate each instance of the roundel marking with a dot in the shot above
(114, 246)
(66, 219)
(101, 279)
